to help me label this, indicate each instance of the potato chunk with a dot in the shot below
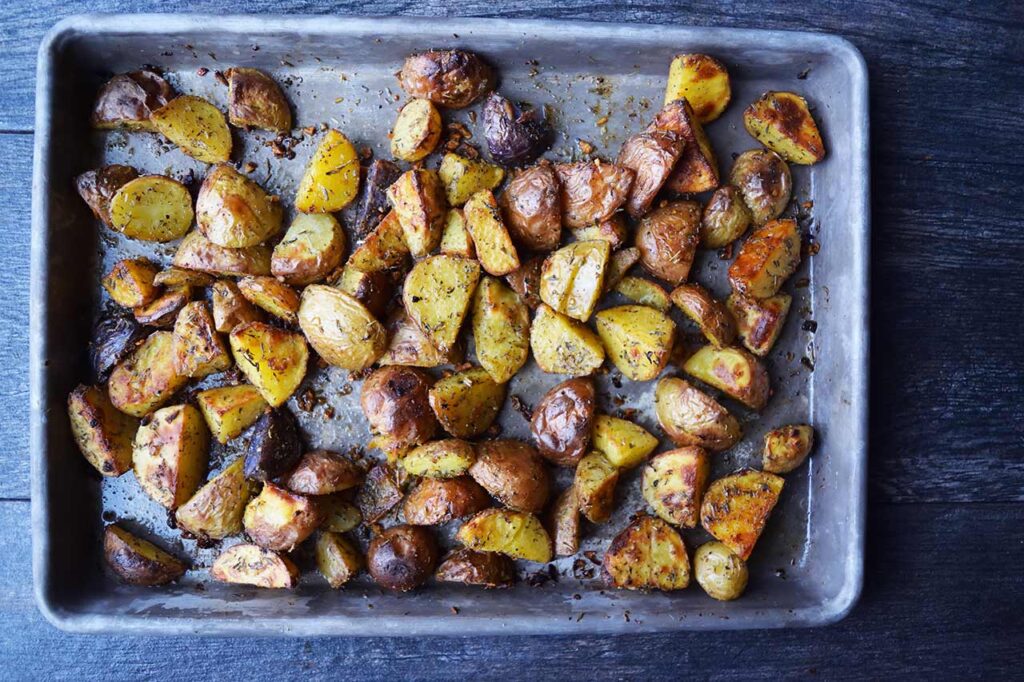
(572, 278)
(439, 500)
(311, 248)
(701, 80)
(759, 321)
(667, 239)
(275, 445)
(409, 346)
(501, 329)
(437, 295)
(722, 574)
(714, 319)
(147, 378)
(272, 359)
(736, 508)
(513, 473)
(618, 265)
(196, 126)
(455, 239)
(198, 349)
(255, 100)
(725, 218)
(384, 249)
(98, 187)
(137, 561)
(164, 309)
(594, 483)
(395, 402)
(279, 520)
(561, 345)
(331, 180)
(624, 443)
(651, 155)
(691, 417)
(103, 434)
(337, 559)
(786, 448)
(402, 557)
(230, 308)
(130, 282)
(234, 211)
(494, 247)
(379, 493)
(484, 569)
(525, 281)
(417, 130)
(697, 168)
(673, 483)
(321, 472)
(467, 403)
(182, 277)
(532, 207)
(446, 458)
(464, 177)
(733, 371)
(648, 554)
(272, 295)
(615, 231)
(419, 203)
(515, 534)
(340, 328)
(128, 99)
(644, 292)
(375, 290)
(767, 259)
(152, 208)
(592, 191)
(170, 454)
(782, 122)
(252, 565)
(340, 514)
(764, 182)
(638, 339)
(215, 511)
(196, 252)
(563, 421)
(564, 523)
(451, 78)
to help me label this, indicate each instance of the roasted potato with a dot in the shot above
(501, 329)
(373, 201)
(196, 126)
(113, 338)
(103, 434)
(275, 446)
(146, 379)
(375, 290)
(452, 78)
(446, 458)
(152, 208)
(229, 410)
(455, 239)
(651, 156)
(310, 250)
(98, 187)
(340, 514)
(402, 557)
(594, 486)
(782, 122)
(592, 191)
(624, 443)
(494, 247)
(321, 472)
(759, 321)
(515, 534)
(514, 136)
(128, 99)
(395, 402)
(230, 308)
(272, 359)
(572, 278)
(437, 295)
(234, 211)
(638, 339)
(733, 371)
(255, 100)
(764, 182)
(216, 510)
(564, 523)
(337, 559)
(561, 345)
(532, 207)
(130, 282)
(419, 203)
(525, 281)
(379, 493)
(618, 265)
(278, 519)
(408, 345)
(667, 240)
(182, 277)
(252, 565)
(340, 328)
(383, 250)
(673, 483)
(467, 402)
(714, 319)
(697, 168)
(417, 130)
(198, 349)
(170, 454)
(644, 292)
(439, 500)
(331, 180)
(721, 574)
(648, 554)
(272, 295)
(563, 421)
(513, 473)
(736, 508)
(766, 259)
(196, 252)
(701, 80)
(615, 231)
(464, 177)
(138, 561)
(725, 218)
(163, 310)
(483, 569)
(691, 417)
(786, 448)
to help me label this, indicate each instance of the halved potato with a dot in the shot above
(501, 329)
(562, 345)
(128, 99)
(786, 448)
(384, 249)
(638, 339)
(321, 472)
(272, 359)
(131, 282)
(736, 508)
(340, 328)
(340, 514)
(451, 78)
(494, 247)
(152, 208)
(137, 561)
(196, 126)
(275, 445)
(147, 378)
(419, 203)
(255, 100)
(782, 122)
(198, 349)
(714, 319)
(215, 511)
(484, 569)
(759, 321)
(564, 523)
(229, 410)
(464, 177)
(170, 454)
(163, 310)
(767, 259)
(331, 180)
(272, 295)
(103, 434)
(691, 417)
(701, 80)
(673, 483)
(337, 559)
(513, 473)
(624, 443)
(417, 130)
(446, 458)
(572, 278)
(525, 281)
(515, 534)
(615, 231)
(594, 483)
(644, 292)
(409, 346)
(252, 565)
(234, 211)
(697, 168)
(532, 207)
(764, 182)
(648, 554)
(310, 250)
(667, 239)
(280, 520)
(196, 252)
(651, 155)
(230, 308)
(182, 277)
(592, 191)
(725, 218)
(379, 493)
(439, 500)
(618, 265)
(733, 371)
(98, 187)
(375, 290)
(467, 403)
(456, 240)
(437, 295)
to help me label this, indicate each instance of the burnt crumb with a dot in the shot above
(628, 413)
(329, 412)
(360, 375)
(172, 520)
(592, 557)
(617, 380)
(780, 573)
(345, 390)
(109, 516)
(581, 570)
(810, 326)
(543, 576)
(455, 610)
(202, 71)
(577, 596)
(806, 362)
(802, 76)
(306, 400)
(522, 408)
(585, 146)
(725, 253)
(811, 247)
(221, 78)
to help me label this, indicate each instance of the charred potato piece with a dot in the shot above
(673, 483)
(721, 574)
(272, 359)
(98, 187)
(467, 403)
(644, 292)
(759, 321)
(419, 203)
(618, 265)
(181, 277)
(408, 345)
(322, 472)
(310, 250)
(594, 483)
(127, 100)
(563, 421)
(196, 126)
(764, 181)
(714, 319)
(196, 252)
(170, 454)
(130, 282)
(331, 180)
(733, 371)
(337, 559)
(103, 434)
(592, 191)
(279, 520)
(163, 310)
(198, 349)
(697, 168)
(138, 561)
(624, 443)
(152, 208)
(255, 100)
(562, 345)
(395, 402)
(725, 218)
(494, 247)
(691, 417)
(648, 554)
(439, 500)
(230, 308)
(451, 78)
(275, 446)
(374, 290)
(701, 80)
(782, 122)
(615, 231)
(146, 379)
(667, 240)
(514, 137)
(786, 448)
(455, 239)
(638, 339)
(229, 410)
(513, 473)
(277, 298)
(402, 557)
(437, 295)
(340, 328)
(340, 514)
(383, 250)
(532, 207)
(564, 523)
(501, 329)
(417, 130)
(373, 201)
(515, 534)
(651, 156)
(252, 565)
(483, 569)
(379, 493)
(464, 177)
(767, 259)
(525, 281)
(113, 339)
(234, 211)
(572, 278)
(216, 510)
(736, 508)
(440, 459)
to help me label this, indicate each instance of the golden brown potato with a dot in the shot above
(638, 339)
(513, 473)
(648, 554)
(451, 78)
(395, 403)
(255, 100)
(379, 493)
(173, 277)
(786, 448)
(337, 559)
(651, 156)
(764, 182)
(146, 379)
(594, 483)
(766, 260)
(137, 561)
(697, 168)
(279, 520)
(733, 371)
(234, 211)
(196, 126)
(375, 290)
(624, 443)
(408, 345)
(340, 328)
(439, 500)
(321, 472)
(417, 130)
(127, 100)
(402, 557)
(782, 122)
(673, 483)
(532, 207)
(592, 191)
(483, 569)
(615, 231)
(437, 295)
(667, 240)
(268, 293)
(310, 250)
(331, 180)
(494, 247)
(229, 410)
(691, 417)
(103, 434)
(152, 208)
(272, 359)
(721, 574)
(701, 80)
(455, 239)
(563, 421)
(644, 292)
(130, 282)
(759, 321)
(446, 458)
(736, 508)
(464, 177)
(163, 310)
(196, 252)
(618, 265)
(725, 218)
(384, 249)
(525, 281)
(572, 278)
(215, 511)
(252, 565)
(419, 203)
(230, 308)
(515, 534)
(340, 514)
(98, 187)
(501, 329)
(170, 454)
(467, 402)
(564, 523)
(714, 319)
(562, 345)
(198, 349)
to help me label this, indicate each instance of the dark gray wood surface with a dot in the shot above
(943, 595)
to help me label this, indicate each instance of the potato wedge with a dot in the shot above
(170, 454)
(340, 514)
(275, 445)
(515, 534)
(759, 321)
(417, 130)
(198, 349)
(701, 80)
(673, 483)
(494, 247)
(691, 417)
(395, 403)
(337, 559)
(196, 252)
(525, 281)
(408, 345)
(455, 239)
(439, 500)
(733, 371)
(446, 458)
(697, 168)
(379, 493)
(624, 443)
(638, 339)
(230, 308)
(230, 410)
(321, 472)
(648, 554)
(130, 283)
(419, 203)
(255, 100)
(163, 310)
(98, 187)
(483, 569)
(272, 295)
(252, 565)
(562, 345)
(725, 218)
(437, 296)
(375, 290)
(331, 180)
(594, 483)
(782, 122)
(147, 378)
(644, 292)
(764, 181)
(563, 421)
(340, 328)
(736, 508)
(501, 329)
(311, 249)
(564, 523)
(450, 78)
(196, 126)
(272, 359)
(152, 208)
(173, 277)
(714, 319)
(572, 278)
(618, 265)
(592, 191)
(467, 403)
(373, 200)
(215, 511)
(278, 519)
(402, 557)
(103, 434)
(513, 473)
(532, 207)
(667, 239)
(128, 99)
(464, 177)
(615, 231)
(384, 249)
(786, 448)
(767, 259)
(234, 211)
(138, 561)
(651, 155)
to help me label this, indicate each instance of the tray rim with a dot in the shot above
(824, 613)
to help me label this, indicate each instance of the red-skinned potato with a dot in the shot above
(667, 239)
(513, 473)
(402, 557)
(396, 404)
(563, 421)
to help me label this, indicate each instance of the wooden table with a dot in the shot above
(944, 593)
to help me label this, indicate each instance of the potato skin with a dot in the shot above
(532, 207)
(673, 483)
(321, 472)
(615, 231)
(170, 454)
(467, 403)
(563, 421)
(484, 569)
(525, 281)
(113, 338)
(198, 349)
(146, 379)
(402, 557)
(196, 126)
(103, 434)
(513, 473)
(514, 137)
(721, 574)
(234, 211)
(564, 523)
(759, 321)
(764, 181)
(375, 290)
(736, 508)
(255, 100)
(163, 310)
(733, 371)
(618, 265)
(786, 448)
(451, 78)
(652, 156)
(216, 510)
(98, 187)
(647, 554)
(725, 218)
(638, 339)
(782, 122)
(230, 308)
(128, 99)
(417, 130)
(275, 446)
(691, 417)
(667, 239)
(137, 561)
(703, 81)
(713, 318)
(279, 520)
(697, 168)
(373, 199)
(439, 500)
(272, 359)
(247, 564)
(562, 345)
(379, 493)
(340, 328)
(396, 404)
(767, 259)
(594, 483)
(592, 191)
(196, 252)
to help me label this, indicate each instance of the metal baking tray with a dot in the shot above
(807, 568)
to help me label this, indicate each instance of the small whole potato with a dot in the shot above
(451, 78)
(764, 181)
(402, 557)
(564, 420)
(667, 239)
(532, 207)
(255, 100)
(513, 473)
(722, 574)
(725, 218)
(396, 402)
